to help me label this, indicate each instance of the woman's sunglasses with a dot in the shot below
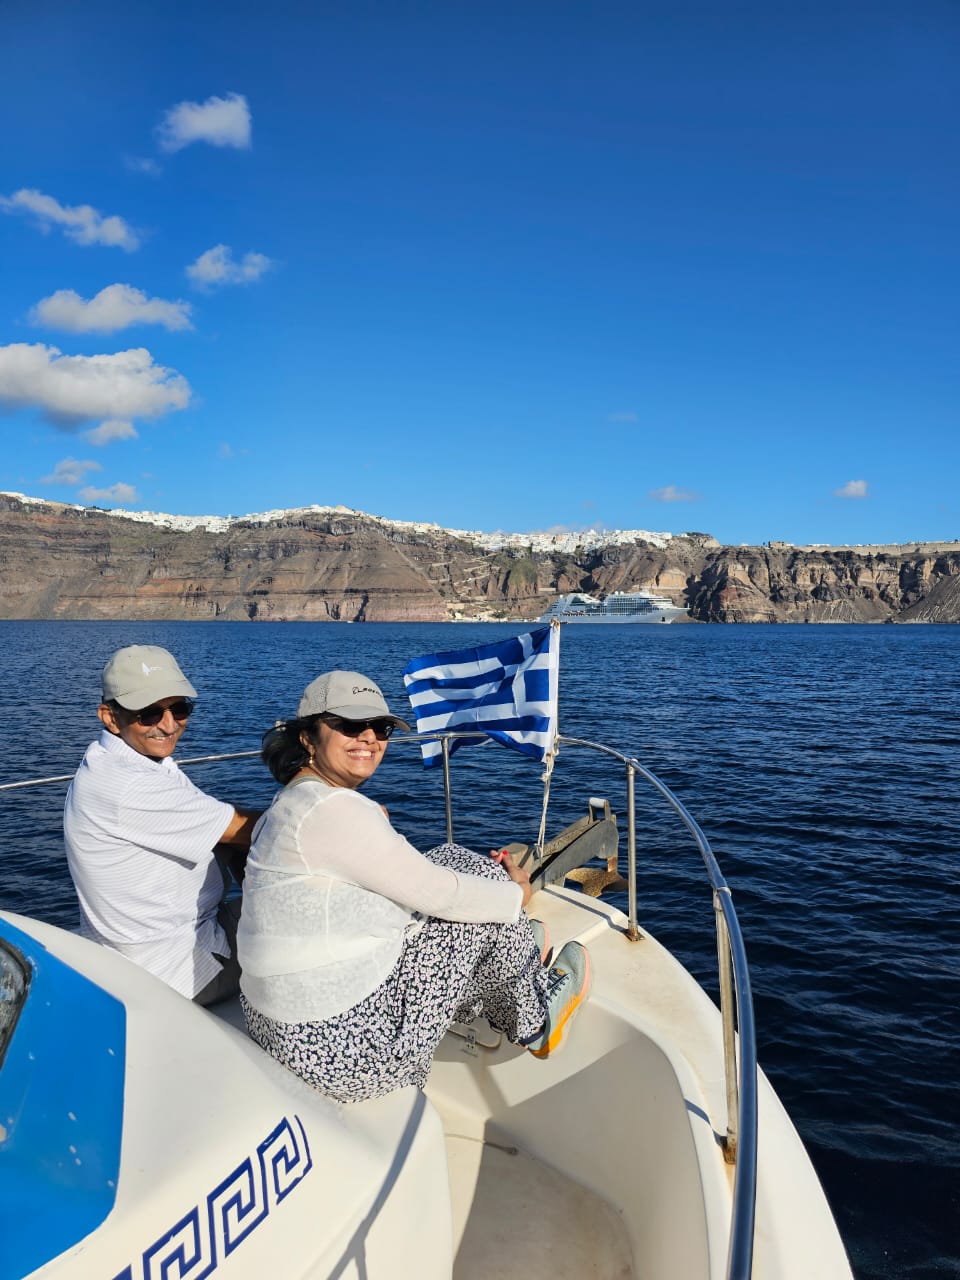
(150, 716)
(382, 728)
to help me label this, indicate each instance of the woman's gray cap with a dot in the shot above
(347, 694)
(141, 674)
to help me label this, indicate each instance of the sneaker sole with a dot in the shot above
(556, 1040)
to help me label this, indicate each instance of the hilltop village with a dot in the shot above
(322, 563)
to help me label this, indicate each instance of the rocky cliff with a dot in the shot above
(321, 564)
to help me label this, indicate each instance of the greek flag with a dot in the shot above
(507, 690)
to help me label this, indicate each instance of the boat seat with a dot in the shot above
(392, 1197)
(229, 1011)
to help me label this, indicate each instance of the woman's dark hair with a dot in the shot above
(282, 751)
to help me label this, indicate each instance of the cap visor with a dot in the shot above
(137, 699)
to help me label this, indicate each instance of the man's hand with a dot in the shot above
(240, 827)
(237, 836)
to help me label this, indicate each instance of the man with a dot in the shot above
(140, 836)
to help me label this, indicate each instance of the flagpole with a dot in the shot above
(551, 755)
(500, 685)
(448, 798)
(538, 847)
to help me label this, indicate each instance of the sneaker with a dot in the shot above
(542, 936)
(568, 986)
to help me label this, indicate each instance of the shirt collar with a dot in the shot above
(115, 745)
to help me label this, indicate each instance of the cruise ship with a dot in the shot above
(619, 606)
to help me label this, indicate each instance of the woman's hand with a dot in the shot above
(516, 874)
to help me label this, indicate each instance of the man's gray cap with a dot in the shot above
(141, 674)
(347, 694)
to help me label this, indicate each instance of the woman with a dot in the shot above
(357, 951)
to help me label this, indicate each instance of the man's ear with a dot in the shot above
(108, 718)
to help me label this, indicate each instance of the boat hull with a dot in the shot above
(228, 1162)
(620, 608)
(604, 620)
(507, 1165)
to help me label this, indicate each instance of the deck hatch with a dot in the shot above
(61, 1109)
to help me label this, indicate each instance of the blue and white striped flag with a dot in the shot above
(507, 690)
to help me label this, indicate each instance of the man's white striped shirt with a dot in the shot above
(139, 838)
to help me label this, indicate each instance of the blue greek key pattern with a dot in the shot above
(211, 1230)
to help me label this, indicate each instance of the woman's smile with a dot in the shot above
(344, 761)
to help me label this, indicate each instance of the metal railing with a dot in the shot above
(736, 1001)
(736, 1011)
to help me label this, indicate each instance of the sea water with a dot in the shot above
(822, 762)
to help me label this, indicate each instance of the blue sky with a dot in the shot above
(519, 266)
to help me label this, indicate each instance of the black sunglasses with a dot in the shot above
(150, 716)
(381, 727)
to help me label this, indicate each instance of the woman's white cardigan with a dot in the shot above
(329, 894)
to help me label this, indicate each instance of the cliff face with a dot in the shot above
(63, 562)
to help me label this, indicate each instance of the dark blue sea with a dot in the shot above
(822, 762)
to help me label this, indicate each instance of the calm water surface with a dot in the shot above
(822, 762)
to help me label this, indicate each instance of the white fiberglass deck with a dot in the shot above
(605, 1160)
(513, 1216)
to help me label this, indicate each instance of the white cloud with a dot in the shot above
(122, 494)
(70, 390)
(223, 122)
(142, 164)
(112, 429)
(670, 493)
(225, 451)
(81, 222)
(118, 306)
(217, 267)
(70, 471)
(852, 489)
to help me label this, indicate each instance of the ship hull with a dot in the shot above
(620, 607)
(605, 620)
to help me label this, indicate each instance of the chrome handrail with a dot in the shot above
(736, 1005)
(740, 1071)
(68, 777)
